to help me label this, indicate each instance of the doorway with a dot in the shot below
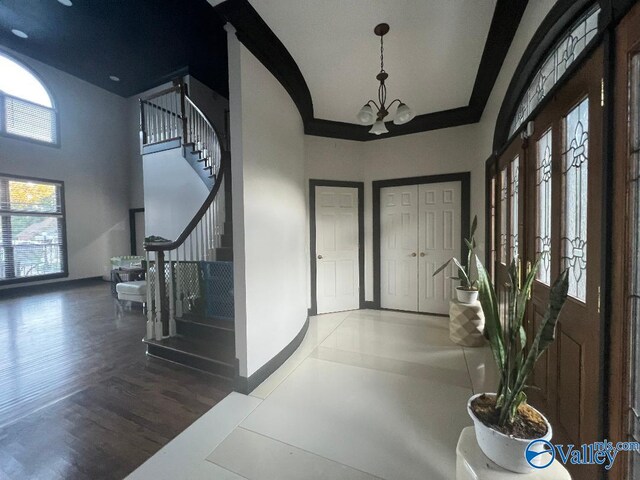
(418, 224)
(337, 245)
(548, 202)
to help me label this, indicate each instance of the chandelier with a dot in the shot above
(366, 115)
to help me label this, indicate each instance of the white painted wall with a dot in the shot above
(269, 211)
(92, 161)
(449, 150)
(173, 193)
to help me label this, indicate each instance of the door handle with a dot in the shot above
(422, 254)
(319, 257)
(414, 254)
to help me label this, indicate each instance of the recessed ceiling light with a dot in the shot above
(66, 3)
(114, 78)
(19, 33)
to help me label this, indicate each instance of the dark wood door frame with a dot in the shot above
(132, 229)
(359, 186)
(465, 218)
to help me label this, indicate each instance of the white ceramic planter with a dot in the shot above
(504, 450)
(466, 296)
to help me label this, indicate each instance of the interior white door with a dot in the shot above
(399, 247)
(439, 238)
(337, 277)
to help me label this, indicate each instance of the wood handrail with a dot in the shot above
(165, 246)
(175, 88)
(205, 118)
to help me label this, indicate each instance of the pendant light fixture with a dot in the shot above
(367, 115)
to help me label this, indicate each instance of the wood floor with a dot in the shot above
(79, 399)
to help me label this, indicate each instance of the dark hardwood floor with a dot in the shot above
(79, 399)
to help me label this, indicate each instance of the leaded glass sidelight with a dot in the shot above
(513, 203)
(503, 216)
(575, 194)
(554, 66)
(543, 206)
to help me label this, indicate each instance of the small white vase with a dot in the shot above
(466, 296)
(505, 450)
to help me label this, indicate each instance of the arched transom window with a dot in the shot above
(27, 109)
(556, 64)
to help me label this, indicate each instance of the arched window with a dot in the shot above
(27, 109)
(555, 64)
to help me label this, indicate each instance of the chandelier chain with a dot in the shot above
(382, 53)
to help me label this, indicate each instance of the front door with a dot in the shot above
(564, 175)
(337, 249)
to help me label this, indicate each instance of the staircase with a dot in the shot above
(190, 317)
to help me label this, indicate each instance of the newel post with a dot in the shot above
(183, 112)
(162, 289)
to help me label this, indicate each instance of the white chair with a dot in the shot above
(135, 291)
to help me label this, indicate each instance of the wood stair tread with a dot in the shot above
(213, 322)
(209, 351)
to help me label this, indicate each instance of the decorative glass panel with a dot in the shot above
(503, 216)
(575, 195)
(556, 64)
(543, 206)
(513, 203)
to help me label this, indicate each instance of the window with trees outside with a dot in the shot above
(32, 229)
(26, 107)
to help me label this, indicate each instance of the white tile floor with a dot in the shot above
(368, 394)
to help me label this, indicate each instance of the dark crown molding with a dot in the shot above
(263, 43)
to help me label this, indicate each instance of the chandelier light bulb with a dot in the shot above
(379, 128)
(403, 114)
(366, 116)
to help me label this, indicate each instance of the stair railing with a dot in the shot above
(173, 267)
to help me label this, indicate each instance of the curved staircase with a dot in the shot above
(190, 317)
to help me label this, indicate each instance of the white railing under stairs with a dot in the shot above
(174, 267)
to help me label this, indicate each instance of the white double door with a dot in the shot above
(337, 249)
(419, 231)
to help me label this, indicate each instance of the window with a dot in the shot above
(575, 197)
(26, 108)
(555, 65)
(32, 232)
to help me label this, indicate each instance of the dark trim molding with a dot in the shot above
(369, 305)
(489, 172)
(263, 43)
(465, 218)
(50, 286)
(247, 385)
(312, 225)
(132, 229)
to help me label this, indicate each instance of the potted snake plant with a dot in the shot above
(505, 424)
(467, 291)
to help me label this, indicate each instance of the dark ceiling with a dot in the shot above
(143, 42)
